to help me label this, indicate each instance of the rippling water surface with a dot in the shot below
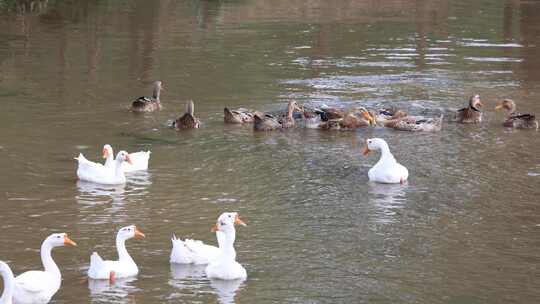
(464, 229)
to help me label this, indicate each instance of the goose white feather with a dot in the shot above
(9, 283)
(139, 160)
(387, 170)
(124, 267)
(103, 174)
(225, 267)
(36, 287)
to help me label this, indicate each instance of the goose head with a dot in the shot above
(507, 104)
(475, 103)
(107, 150)
(226, 222)
(129, 232)
(123, 156)
(59, 240)
(374, 144)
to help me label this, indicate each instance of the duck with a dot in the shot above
(124, 267)
(389, 114)
(38, 286)
(472, 113)
(9, 283)
(515, 119)
(238, 116)
(387, 170)
(139, 160)
(188, 120)
(415, 123)
(102, 174)
(355, 118)
(225, 267)
(196, 252)
(267, 122)
(149, 104)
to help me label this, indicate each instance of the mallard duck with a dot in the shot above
(515, 119)
(389, 114)
(415, 123)
(148, 104)
(387, 170)
(188, 120)
(267, 122)
(37, 286)
(472, 113)
(238, 116)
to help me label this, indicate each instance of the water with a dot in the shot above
(463, 230)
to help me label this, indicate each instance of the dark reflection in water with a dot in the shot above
(464, 229)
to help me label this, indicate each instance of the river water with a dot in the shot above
(464, 229)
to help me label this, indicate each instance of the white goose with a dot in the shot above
(139, 160)
(100, 174)
(387, 170)
(33, 287)
(125, 266)
(226, 267)
(9, 283)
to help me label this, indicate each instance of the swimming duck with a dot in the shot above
(38, 286)
(387, 170)
(226, 267)
(188, 120)
(515, 119)
(122, 268)
(97, 173)
(238, 116)
(148, 104)
(389, 114)
(139, 160)
(9, 283)
(353, 119)
(267, 122)
(415, 123)
(472, 113)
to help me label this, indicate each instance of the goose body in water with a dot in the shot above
(387, 170)
(9, 283)
(108, 174)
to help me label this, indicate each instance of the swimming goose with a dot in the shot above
(472, 113)
(225, 267)
(188, 120)
(100, 174)
(238, 116)
(387, 170)
(9, 283)
(38, 286)
(139, 160)
(122, 268)
(267, 122)
(148, 104)
(515, 119)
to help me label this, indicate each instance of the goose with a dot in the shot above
(33, 287)
(515, 119)
(238, 116)
(9, 283)
(139, 160)
(148, 104)
(125, 266)
(387, 170)
(225, 267)
(100, 174)
(190, 251)
(188, 120)
(267, 122)
(472, 113)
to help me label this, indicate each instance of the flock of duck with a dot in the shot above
(40, 286)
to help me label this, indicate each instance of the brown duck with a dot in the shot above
(267, 122)
(343, 120)
(238, 116)
(148, 104)
(515, 119)
(188, 120)
(472, 113)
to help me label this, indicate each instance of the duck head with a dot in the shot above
(475, 103)
(226, 222)
(129, 232)
(58, 240)
(374, 144)
(507, 104)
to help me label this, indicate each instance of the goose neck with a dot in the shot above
(9, 284)
(123, 254)
(47, 260)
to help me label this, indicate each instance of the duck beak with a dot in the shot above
(369, 118)
(366, 150)
(68, 241)
(105, 153)
(139, 234)
(498, 107)
(238, 221)
(128, 159)
(214, 228)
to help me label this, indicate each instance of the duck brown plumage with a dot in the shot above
(515, 119)
(148, 104)
(267, 122)
(238, 116)
(188, 120)
(472, 113)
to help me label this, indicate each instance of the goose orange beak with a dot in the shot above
(214, 228)
(366, 150)
(139, 234)
(68, 241)
(238, 221)
(128, 159)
